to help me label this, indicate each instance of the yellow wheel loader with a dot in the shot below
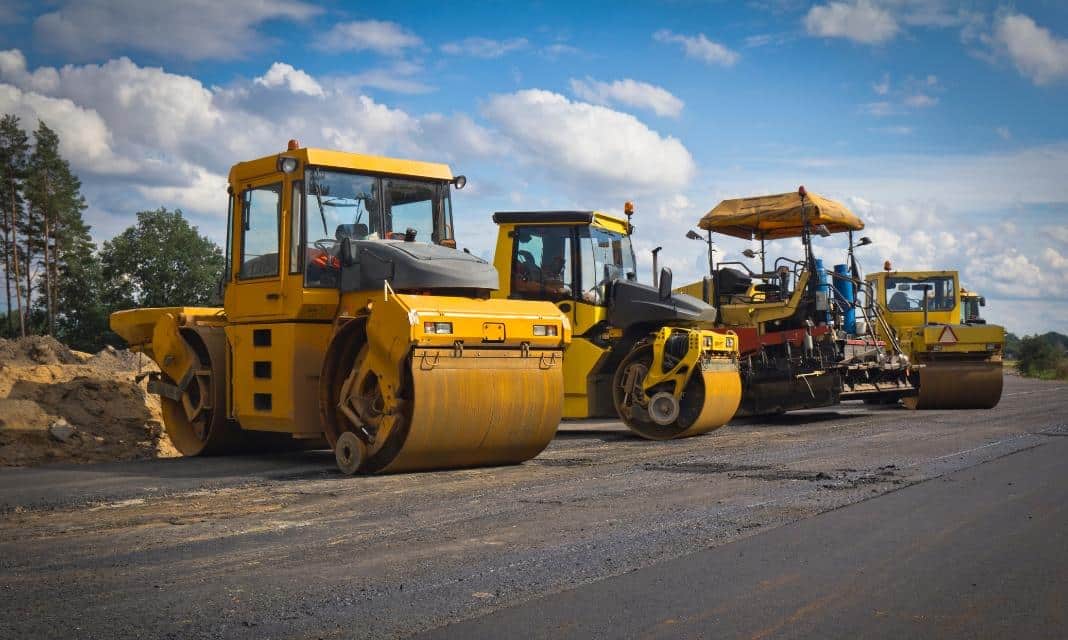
(959, 364)
(638, 352)
(349, 314)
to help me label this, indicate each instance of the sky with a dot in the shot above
(941, 124)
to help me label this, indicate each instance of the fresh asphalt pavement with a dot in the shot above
(979, 553)
(603, 534)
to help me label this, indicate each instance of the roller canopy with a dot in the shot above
(778, 216)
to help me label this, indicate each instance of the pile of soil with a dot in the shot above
(59, 405)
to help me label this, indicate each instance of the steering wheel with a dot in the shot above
(326, 245)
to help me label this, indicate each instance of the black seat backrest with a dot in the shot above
(731, 282)
(898, 302)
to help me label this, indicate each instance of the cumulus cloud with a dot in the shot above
(172, 139)
(699, 47)
(631, 93)
(387, 38)
(192, 30)
(590, 147)
(282, 74)
(484, 47)
(1036, 52)
(860, 21)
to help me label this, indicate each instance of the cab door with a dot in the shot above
(256, 291)
(543, 258)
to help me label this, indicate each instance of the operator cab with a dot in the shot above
(341, 204)
(569, 260)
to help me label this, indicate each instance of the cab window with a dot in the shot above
(410, 205)
(542, 263)
(909, 294)
(261, 212)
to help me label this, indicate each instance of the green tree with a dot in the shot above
(161, 261)
(14, 152)
(1037, 356)
(56, 228)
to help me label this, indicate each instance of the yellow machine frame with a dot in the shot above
(586, 381)
(960, 364)
(311, 362)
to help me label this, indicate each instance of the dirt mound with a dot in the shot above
(75, 407)
(36, 350)
(112, 359)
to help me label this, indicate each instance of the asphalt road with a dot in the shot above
(979, 553)
(284, 547)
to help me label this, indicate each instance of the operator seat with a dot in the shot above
(898, 302)
(731, 282)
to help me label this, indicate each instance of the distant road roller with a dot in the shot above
(959, 363)
(642, 353)
(349, 314)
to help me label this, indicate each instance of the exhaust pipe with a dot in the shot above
(656, 272)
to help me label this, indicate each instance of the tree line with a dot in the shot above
(56, 280)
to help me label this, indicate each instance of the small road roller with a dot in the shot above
(639, 352)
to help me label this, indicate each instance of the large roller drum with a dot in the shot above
(196, 422)
(709, 401)
(958, 385)
(459, 408)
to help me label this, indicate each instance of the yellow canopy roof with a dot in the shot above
(778, 216)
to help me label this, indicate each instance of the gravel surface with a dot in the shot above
(284, 547)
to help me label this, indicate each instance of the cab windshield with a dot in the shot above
(908, 294)
(340, 204)
(605, 256)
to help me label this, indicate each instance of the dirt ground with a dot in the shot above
(60, 405)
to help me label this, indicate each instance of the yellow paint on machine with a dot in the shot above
(436, 376)
(479, 408)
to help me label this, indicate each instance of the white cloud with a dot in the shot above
(1004, 133)
(193, 30)
(860, 21)
(84, 136)
(699, 47)
(387, 38)
(1037, 53)
(296, 80)
(141, 137)
(883, 86)
(632, 93)
(589, 147)
(1055, 260)
(484, 47)
(558, 50)
(920, 100)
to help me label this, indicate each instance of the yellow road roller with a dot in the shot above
(348, 313)
(960, 363)
(642, 353)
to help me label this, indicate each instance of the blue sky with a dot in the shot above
(940, 123)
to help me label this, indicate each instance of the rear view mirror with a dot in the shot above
(665, 283)
(345, 252)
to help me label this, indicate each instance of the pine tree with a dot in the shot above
(14, 149)
(61, 236)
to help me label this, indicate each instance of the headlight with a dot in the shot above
(287, 164)
(437, 327)
(546, 330)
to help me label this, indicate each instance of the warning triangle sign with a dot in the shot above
(947, 337)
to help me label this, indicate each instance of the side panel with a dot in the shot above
(275, 375)
(581, 358)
